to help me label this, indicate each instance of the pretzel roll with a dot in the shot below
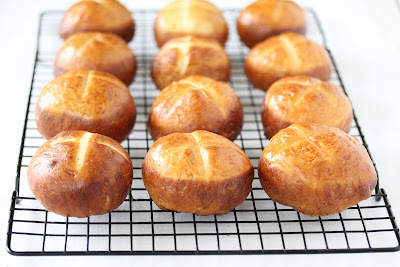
(79, 174)
(316, 169)
(190, 17)
(189, 55)
(98, 16)
(288, 54)
(265, 18)
(196, 103)
(92, 101)
(96, 51)
(304, 99)
(199, 172)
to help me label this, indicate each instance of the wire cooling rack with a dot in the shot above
(138, 226)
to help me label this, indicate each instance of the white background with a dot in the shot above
(364, 36)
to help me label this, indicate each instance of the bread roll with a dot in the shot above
(196, 103)
(86, 100)
(79, 174)
(287, 54)
(316, 169)
(304, 99)
(265, 18)
(199, 172)
(96, 51)
(185, 56)
(98, 16)
(191, 17)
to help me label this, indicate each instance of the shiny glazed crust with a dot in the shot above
(98, 16)
(92, 101)
(288, 54)
(189, 55)
(192, 17)
(305, 99)
(196, 103)
(96, 51)
(316, 169)
(79, 174)
(200, 172)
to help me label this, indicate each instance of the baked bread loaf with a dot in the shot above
(316, 169)
(92, 101)
(189, 55)
(196, 103)
(304, 99)
(98, 16)
(191, 17)
(265, 18)
(199, 172)
(288, 54)
(79, 174)
(96, 51)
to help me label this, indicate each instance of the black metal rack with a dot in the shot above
(139, 227)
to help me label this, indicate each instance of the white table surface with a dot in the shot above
(364, 36)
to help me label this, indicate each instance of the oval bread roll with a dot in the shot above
(287, 54)
(192, 17)
(196, 103)
(189, 55)
(79, 174)
(200, 172)
(92, 101)
(98, 16)
(316, 169)
(265, 18)
(96, 51)
(305, 99)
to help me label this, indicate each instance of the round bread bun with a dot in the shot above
(189, 55)
(316, 169)
(305, 99)
(79, 174)
(288, 54)
(190, 17)
(199, 172)
(265, 18)
(98, 16)
(196, 103)
(92, 101)
(96, 51)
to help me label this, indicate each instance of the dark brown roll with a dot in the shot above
(305, 99)
(193, 17)
(316, 169)
(79, 174)
(287, 54)
(199, 172)
(189, 55)
(196, 103)
(265, 18)
(98, 16)
(92, 101)
(96, 51)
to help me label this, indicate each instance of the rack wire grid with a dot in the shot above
(138, 226)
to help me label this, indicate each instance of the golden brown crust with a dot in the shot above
(288, 54)
(96, 51)
(189, 55)
(196, 103)
(305, 99)
(92, 101)
(265, 18)
(316, 169)
(98, 16)
(79, 174)
(200, 172)
(193, 17)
